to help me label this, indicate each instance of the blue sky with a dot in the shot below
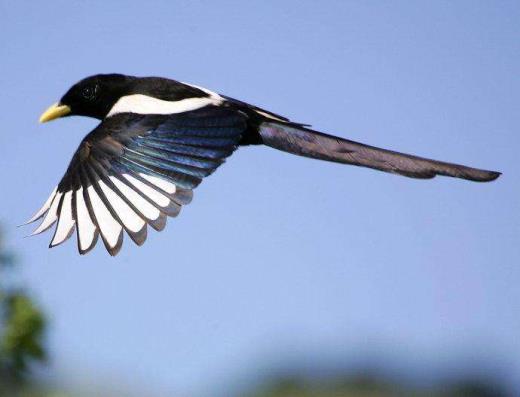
(280, 256)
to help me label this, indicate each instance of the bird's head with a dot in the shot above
(92, 97)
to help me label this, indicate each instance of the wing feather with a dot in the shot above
(66, 221)
(43, 210)
(51, 215)
(110, 230)
(123, 214)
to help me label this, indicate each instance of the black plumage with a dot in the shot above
(159, 138)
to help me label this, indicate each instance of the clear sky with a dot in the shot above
(280, 256)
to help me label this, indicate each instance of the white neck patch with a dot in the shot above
(144, 104)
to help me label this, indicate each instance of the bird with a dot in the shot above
(157, 140)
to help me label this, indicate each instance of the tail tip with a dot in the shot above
(488, 176)
(493, 175)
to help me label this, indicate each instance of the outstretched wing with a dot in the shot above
(133, 170)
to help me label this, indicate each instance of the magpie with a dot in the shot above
(158, 138)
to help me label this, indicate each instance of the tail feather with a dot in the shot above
(313, 144)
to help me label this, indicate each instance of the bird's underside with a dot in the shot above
(142, 162)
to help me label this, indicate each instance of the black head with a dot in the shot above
(93, 97)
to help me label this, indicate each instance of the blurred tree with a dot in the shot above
(22, 326)
(367, 386)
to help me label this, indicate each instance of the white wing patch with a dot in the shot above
(43, 209)
(110, 229)
(131, 204)
(163, 184)
(126, 214)
(157, 197)
(144, 104)
(143, 206)
(51, 215)
(86, 228)
(65, 221)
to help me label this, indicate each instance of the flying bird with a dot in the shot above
(158, 138)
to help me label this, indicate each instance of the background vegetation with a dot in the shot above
(22, 346)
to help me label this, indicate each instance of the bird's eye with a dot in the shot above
(89, 93)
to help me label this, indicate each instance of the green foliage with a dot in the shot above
(367, 387)
(22, 326)
(22, 332)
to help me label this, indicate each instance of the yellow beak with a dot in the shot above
(54, 112)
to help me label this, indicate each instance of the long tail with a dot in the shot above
(305, 142)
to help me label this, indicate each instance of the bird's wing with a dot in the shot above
(132, 171)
